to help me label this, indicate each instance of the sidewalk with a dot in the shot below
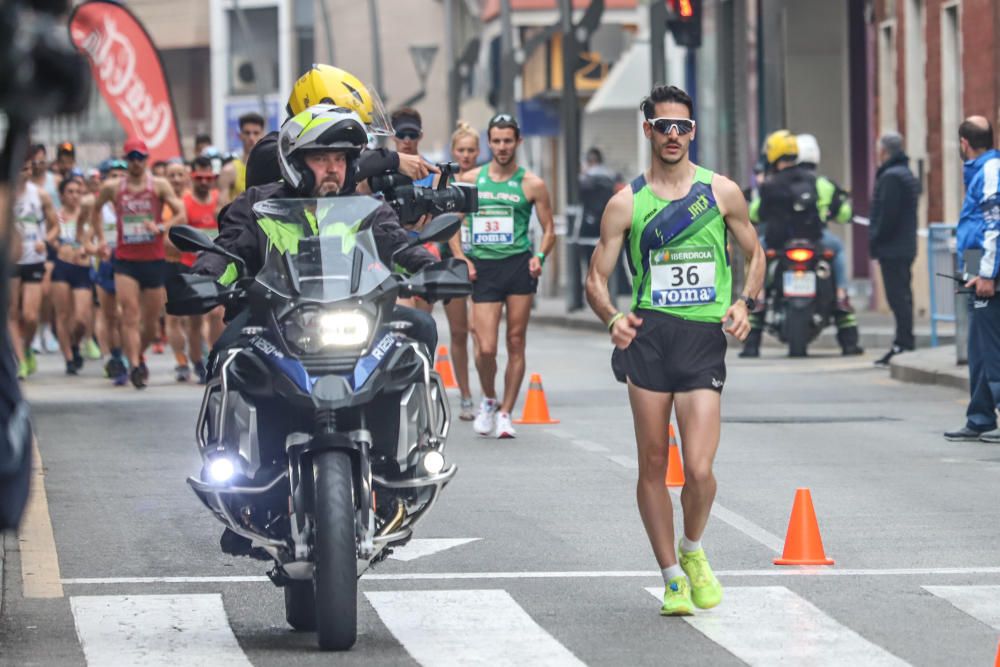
(934, 365)
(876, 329)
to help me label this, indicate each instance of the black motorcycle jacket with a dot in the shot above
(241, 235)
(789, 204)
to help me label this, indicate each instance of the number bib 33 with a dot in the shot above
(682, 276)
(493, 225)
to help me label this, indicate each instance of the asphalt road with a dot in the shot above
(549, 563)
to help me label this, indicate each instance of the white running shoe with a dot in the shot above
(504, 428)
(484, 420)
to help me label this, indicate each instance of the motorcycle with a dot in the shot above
(323, 426)
(803, 294)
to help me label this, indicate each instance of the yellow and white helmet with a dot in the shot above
(325, 84)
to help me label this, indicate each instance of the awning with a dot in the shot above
(627, 82)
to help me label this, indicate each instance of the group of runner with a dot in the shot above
(99, 239)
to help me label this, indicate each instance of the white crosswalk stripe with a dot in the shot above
(467, 627)
(980, 602)
(771, 625)
(760, 625)
(156, 631)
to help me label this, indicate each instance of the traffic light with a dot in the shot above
(685, 22)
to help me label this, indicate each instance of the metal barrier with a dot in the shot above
(941, 258)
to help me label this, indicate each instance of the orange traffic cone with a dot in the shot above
(803, 544)
(536, 409)
(675, 468)
(443, 367)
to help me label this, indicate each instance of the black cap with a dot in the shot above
(406, 121)
(66, 148)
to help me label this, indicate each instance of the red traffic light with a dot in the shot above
(683, 9)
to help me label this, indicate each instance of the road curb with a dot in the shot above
(931, 366)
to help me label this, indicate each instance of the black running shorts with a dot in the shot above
(496, 279)
(77, 276)
(29, 273)
(670, 354)
(149, 274)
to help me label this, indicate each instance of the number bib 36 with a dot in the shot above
(493, 225)
(682, 276)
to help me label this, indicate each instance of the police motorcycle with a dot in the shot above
(322, 430)
(802, 294)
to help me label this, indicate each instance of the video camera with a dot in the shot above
(411, 202)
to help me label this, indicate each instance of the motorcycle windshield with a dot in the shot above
(317, 249)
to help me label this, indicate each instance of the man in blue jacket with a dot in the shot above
(979, 229)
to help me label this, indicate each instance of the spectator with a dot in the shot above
(201, 142)
(893, 238)
(597, 185)
(65, 159)
(978, 229)
(159, 169)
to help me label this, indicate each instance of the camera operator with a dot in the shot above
(324, 84)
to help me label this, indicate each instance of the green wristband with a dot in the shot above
(614, 318)
(541, 257)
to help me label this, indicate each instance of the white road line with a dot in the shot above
(980, 602)
(418, 548)
(771, 625)
(470, 627)
(744, 525)
(589, 446)
(576, 574)
(740, 523)
(156, 631)
(39, 560)
(628, 462)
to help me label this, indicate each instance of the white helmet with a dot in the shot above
(808, 149)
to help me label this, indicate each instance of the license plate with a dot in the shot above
(800, 283)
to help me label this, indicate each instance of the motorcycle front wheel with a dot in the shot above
(336, 573)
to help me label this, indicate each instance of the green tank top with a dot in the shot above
(500, 228)
(677, 252)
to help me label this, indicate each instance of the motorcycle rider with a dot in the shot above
(790, 205)
(834, 205)
(317, 156)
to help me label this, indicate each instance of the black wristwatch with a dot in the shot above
(751, 304)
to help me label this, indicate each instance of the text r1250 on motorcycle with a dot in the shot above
(322, 430)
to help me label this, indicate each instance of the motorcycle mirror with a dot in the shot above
(440, 229)
(188, 239)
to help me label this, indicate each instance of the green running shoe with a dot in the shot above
(677, 598)
(91, 350)
(22, 370)
(31, 361)
(706, 591)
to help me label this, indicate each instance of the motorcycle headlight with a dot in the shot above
(344, 328)
(311, 330)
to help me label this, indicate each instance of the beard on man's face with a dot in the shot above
(330, 186)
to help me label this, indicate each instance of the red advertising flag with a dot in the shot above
(128, 71)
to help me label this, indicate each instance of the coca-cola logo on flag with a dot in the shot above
(128, 71)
